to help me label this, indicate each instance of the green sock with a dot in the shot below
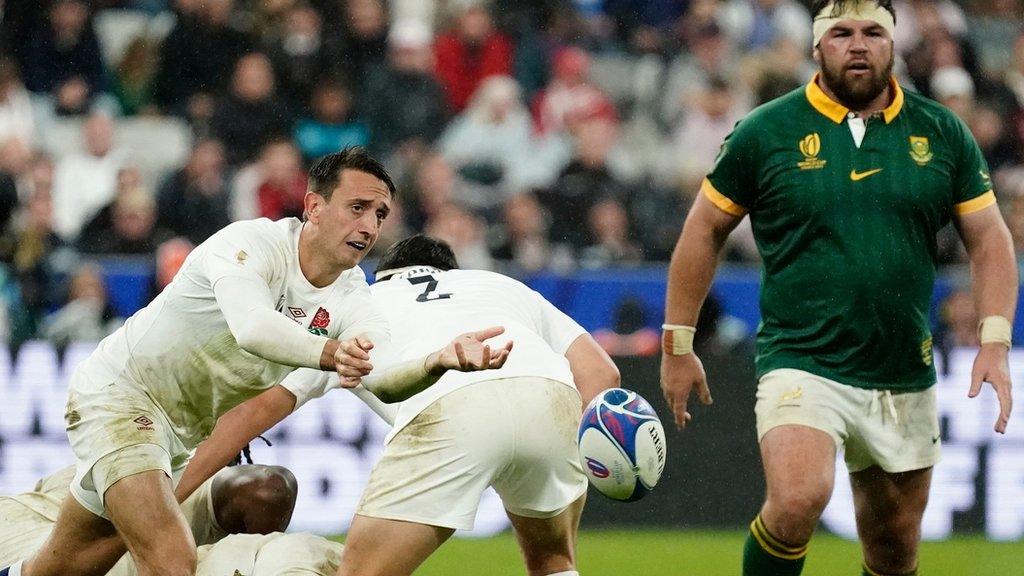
(764, 555)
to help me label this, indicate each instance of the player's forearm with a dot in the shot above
(406, 379)
(994, 274)
(593, 370)
(692, 270)
(233, 431)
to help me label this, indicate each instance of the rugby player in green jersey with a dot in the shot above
(846, 181)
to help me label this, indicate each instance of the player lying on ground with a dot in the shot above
(251, 499)
(236, 519)
(249, 305)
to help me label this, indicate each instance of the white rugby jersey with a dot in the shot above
(180, 351)
(427, 308)
(276, 554)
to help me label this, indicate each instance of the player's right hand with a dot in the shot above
(680, 377)
(352, 361)
(469, 352)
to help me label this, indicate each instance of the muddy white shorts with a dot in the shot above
(116, 431)
(515, 434)
(898, 431)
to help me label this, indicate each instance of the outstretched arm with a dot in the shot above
(466, 353)
(994, 279)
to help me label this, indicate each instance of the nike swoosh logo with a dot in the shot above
(857, 176)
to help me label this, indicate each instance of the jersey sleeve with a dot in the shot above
(198, 511)
(732, 183)
(555, 326)
(972, 184)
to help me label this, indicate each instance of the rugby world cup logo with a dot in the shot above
(597, 469)
(810, 147)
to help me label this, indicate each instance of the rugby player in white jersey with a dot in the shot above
(513, 428)
(249, 499)
(249, 305)
(235, 517)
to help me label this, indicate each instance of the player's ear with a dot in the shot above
(312, 204)
(816, 54)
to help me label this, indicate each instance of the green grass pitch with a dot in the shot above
(667, 553)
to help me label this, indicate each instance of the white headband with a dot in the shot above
(862, 10)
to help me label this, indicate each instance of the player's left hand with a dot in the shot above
(991, 365)
(469, 352)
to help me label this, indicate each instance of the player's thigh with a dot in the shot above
(889, 508)
(149, 519)
(800, 422)
(544, 475)
(549, 544)
(383, 547)
(898, 432)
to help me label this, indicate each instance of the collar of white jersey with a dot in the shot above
(405, 272)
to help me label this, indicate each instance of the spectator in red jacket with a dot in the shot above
(471, 51)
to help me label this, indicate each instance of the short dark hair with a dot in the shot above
(818, 5)
(325, 173)
(417, 250)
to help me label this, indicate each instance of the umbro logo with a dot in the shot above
(144, 423)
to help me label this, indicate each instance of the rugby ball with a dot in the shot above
(622, 445)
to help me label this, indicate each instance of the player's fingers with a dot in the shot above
(1003, 392)
(350, 381)
(499, 359)
(485, 357)
(977, 377)
(460, 355)
(354, 349)
(488, 333)
(364, 344)
(704, 393)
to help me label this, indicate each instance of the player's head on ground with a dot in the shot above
(853, 46)
(416, 250)
(349, 196)
(254, 498)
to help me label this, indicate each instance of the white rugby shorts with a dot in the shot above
(898, 431)
(515, 434)
(116, 431)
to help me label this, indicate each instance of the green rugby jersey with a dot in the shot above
(847, 234)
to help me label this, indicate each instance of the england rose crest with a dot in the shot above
(320, 321)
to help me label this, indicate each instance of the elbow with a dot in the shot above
(248, 339)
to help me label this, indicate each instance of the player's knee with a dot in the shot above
(891, 547)
(807, 504)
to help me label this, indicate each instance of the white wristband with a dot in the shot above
(677, 339)
(995, 329)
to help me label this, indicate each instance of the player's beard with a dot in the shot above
(856, 94)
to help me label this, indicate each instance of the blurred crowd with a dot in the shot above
(530, 134)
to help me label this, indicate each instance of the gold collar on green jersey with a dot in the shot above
(837, 112)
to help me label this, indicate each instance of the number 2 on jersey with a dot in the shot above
(429, 293)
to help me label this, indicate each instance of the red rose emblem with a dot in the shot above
(321, 320)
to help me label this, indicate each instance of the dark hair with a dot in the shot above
(418, 250)
(325, 173)
(818, 5)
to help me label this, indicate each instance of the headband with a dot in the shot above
(861, 10)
